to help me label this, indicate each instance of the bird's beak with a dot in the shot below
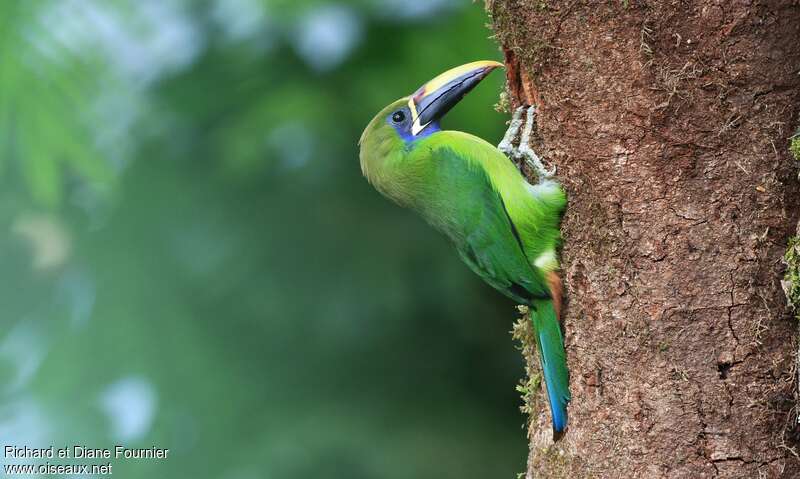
(435, 98)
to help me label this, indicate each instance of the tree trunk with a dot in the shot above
(669, 124)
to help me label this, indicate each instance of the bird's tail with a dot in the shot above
(554, 361)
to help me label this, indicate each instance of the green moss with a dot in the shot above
(528, 389)
(794, 146)
(503, 104)
(791, 280)
(530, 386)
(519, 34)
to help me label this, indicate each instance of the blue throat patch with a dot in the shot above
(408, 138)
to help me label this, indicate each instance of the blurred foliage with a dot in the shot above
(44, 126)
(193, 260)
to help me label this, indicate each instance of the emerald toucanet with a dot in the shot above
(505, 229)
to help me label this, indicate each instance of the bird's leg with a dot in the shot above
(525, 150)
(506, 145)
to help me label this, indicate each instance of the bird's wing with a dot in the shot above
(477, 221)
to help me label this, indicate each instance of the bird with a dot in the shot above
(504, 228)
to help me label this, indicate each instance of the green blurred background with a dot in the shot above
(192, 260)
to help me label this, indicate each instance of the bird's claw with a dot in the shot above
(524, 150)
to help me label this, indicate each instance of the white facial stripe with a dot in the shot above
(415, 126)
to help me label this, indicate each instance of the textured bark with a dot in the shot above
(669, 124)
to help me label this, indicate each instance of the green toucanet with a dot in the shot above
(505, 229)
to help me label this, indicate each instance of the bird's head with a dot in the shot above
(394, 130)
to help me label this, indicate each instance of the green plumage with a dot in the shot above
(505, 230)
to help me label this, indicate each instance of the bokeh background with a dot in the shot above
(191, 259)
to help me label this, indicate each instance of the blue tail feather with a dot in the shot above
(554, 363)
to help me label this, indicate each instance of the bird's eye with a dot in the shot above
(398, 117)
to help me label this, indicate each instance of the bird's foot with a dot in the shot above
(506, 144)
(527, 152)
(524, 150)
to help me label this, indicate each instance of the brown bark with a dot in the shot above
(668, 122)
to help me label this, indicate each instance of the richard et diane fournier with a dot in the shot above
(83, 452)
